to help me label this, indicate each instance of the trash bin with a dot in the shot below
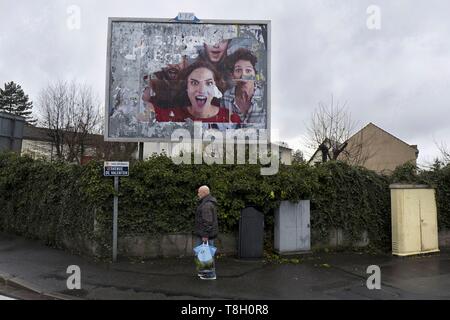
(251, 234)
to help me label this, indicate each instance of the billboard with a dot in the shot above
(164, 75)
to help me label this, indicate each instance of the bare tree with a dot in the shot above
(329, 129)
(52, 108)
(115, 151)
(71, 111)
(83, 120)
(329, 132)
(445, 153)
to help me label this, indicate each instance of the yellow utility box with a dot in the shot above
(414, 219)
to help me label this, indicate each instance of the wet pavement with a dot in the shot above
(324, 276)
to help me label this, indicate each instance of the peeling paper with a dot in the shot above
(140, 49)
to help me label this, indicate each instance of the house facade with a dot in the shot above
(150, 148)
(374, 149)
(38, 144)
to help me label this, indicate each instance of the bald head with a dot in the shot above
(203, 191)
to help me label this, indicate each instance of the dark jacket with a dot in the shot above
(206, 224)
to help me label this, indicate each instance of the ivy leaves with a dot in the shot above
(57, 202)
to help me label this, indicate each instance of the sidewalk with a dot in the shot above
(326, 276)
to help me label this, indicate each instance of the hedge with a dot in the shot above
(354, 200)
(56, 202)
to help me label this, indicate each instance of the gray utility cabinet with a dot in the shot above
(292, 227)
(251, 234)
(11, 132)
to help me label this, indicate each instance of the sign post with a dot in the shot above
(115, 216)
(116, 170)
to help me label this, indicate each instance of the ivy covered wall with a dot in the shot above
(58, 202)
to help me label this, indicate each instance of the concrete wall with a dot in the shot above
(336, 239)
(81, 246)
(181, 244)
(444, 238)
(170, 245)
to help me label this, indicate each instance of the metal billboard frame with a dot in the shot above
(111, 20)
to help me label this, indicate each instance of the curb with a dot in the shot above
(10, 280)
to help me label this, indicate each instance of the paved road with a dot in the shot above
(326, 276)
(12, 292)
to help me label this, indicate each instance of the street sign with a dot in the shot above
(116, 169)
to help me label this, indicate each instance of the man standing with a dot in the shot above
(206, 226)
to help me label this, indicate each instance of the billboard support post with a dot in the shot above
(141, 151)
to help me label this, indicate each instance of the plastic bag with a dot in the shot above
(204, 256)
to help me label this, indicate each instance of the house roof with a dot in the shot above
(377, 127)
(414, 146)
(282, 145)
(35, 133)
(313, 156)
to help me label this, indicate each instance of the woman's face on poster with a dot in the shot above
(216, 51)
(200, 88)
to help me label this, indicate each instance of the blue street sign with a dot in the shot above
(116, 169)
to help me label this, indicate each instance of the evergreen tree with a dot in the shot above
(297, 157)
(13, 100)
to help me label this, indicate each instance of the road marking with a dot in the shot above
(6, 298)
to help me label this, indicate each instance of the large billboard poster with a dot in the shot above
(163, 75)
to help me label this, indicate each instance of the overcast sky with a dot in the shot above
(397, 77)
